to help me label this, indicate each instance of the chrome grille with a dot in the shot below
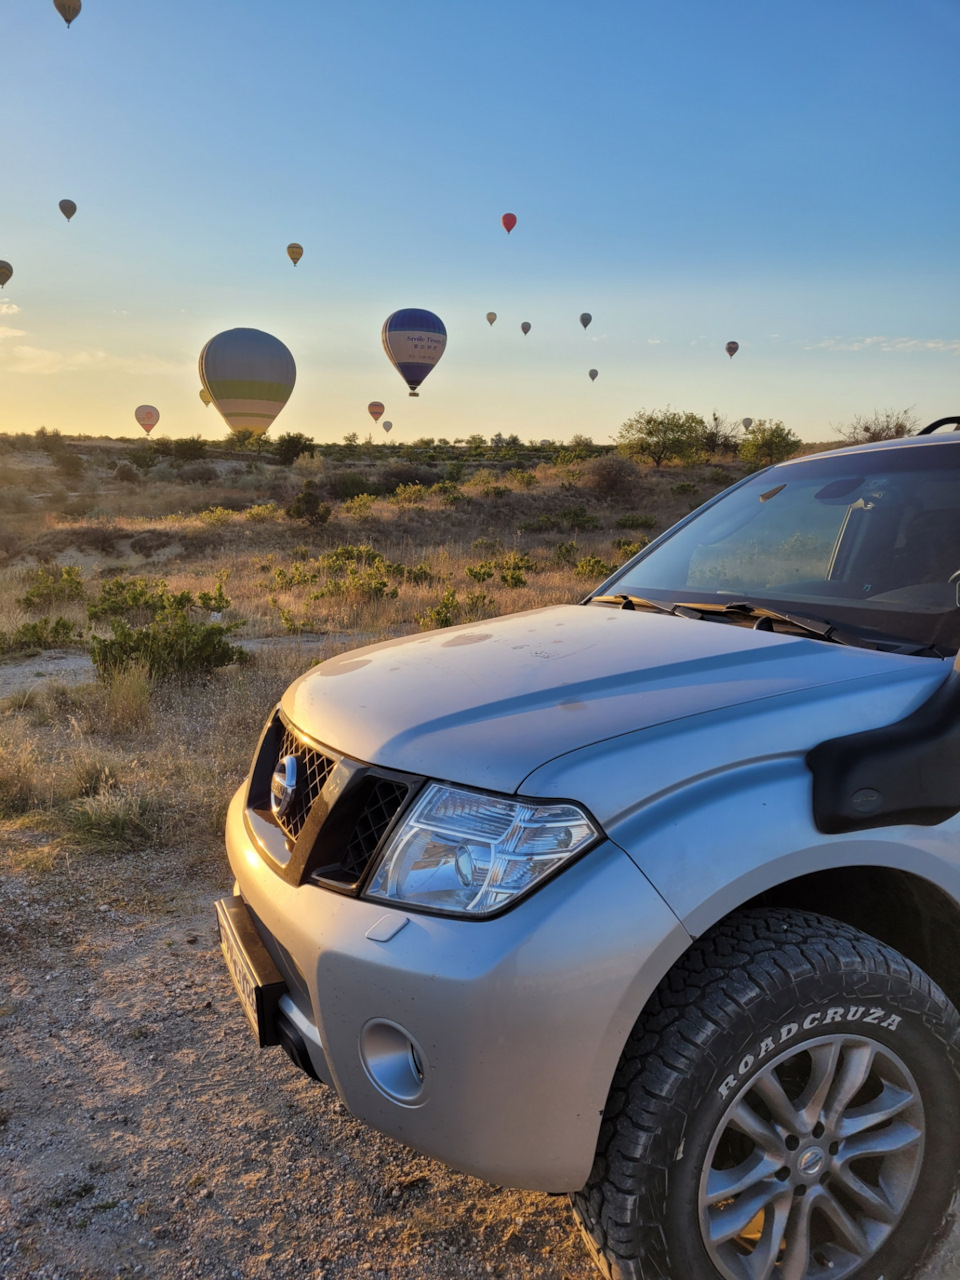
(313, 769)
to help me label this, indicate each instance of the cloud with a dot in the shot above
(653, 342)
(7, 332)
(8, 308)
(40, 360)
(880, 343)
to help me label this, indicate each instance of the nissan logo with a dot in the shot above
(283, 786)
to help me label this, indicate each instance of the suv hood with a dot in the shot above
(486, 704)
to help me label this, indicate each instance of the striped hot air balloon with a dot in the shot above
(68, 209)
(67, 9)
(294, 252)
(6, 271)
(205, 397)
(250, 376)
(491, 316)
(414, 341)
(375, 410)
(732, 348)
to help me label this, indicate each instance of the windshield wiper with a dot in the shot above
(739, 611)
(822, 629)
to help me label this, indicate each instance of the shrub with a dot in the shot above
(567, 520)
(611, 477)
(719, 476)
(135, 599)
(593, 567)
(113, 821)
(685, 486)
(448, 493)
(127, 473)
(635, 521)
(444, 613)
(190, 449)
(172, 645)
(629, 549)
(486, 544)
(662, 435)
(566, 552)
(401, 473)
(359, 507)
(217, 516)
(52, 584)
(767, 443)
(121, 703)
(288, 447)
(882, 424)
(42, 634)
(70, 465)
(198, 473)
(307, 507)
(482, 572)
(263, 511)
(409, 495)
(525, 479)
(348, 484)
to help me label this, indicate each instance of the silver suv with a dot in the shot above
(654, 899)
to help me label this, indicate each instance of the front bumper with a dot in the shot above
(518, 1021)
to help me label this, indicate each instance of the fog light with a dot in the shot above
(394, 1062)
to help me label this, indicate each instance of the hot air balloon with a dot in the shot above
(205, 397)
(593, 375)
(491, 316)
(250, 376)
(6, 271)
(147, 416)
(67, 9)
(508, 222)
(747, 423)
(414, 341)
(388, 426)
(294, 252)
(526, 326)
(68, 209)
(586, 318)
(375, 410)
(732, 348)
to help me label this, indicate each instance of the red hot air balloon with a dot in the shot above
(732, 348)
(508, 222)
(375, 410)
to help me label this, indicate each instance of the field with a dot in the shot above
(140, 1130)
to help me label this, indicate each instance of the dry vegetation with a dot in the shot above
(183, 1141)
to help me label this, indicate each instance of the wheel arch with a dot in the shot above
(900, 908)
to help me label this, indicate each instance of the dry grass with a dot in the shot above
(122, 765)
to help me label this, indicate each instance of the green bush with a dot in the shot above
(288, 447)
(629, 549)
(135, 599)
(685, 486)
(632, 521)
(593, 567)
(566, 552)
(567, 520)
(767, 443)
(359, 507)
(52, 584)
(172, 645)
(525, 479)
(262, 511)
(409, 495)
(445, 613)
(42, 634)
(719, 476)
(306, 506)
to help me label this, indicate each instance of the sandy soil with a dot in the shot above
(142, 1132)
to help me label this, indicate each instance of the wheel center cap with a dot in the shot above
(811, 1162)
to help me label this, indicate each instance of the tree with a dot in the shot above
(288, 448)
(883, 424)
(720, 435)
(766, 443)
(662, 435)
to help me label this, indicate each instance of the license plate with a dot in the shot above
(257, 980)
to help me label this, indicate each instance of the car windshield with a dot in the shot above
(868, 540)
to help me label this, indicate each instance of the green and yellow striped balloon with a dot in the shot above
(249, 376)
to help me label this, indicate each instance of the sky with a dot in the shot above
(780, 174)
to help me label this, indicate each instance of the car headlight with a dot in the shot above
(466, 853)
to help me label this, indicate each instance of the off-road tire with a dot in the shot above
(758, 972)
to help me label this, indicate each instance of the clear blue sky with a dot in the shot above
(781, 174)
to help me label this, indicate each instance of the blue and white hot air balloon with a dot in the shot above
(414, 341)
(250, 376)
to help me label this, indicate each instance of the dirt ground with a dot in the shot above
(142, 1132)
